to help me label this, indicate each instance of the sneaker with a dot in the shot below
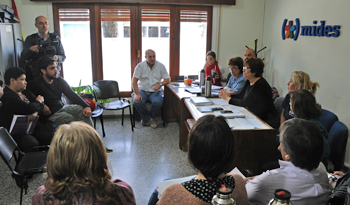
(153, 123)
(143, 123)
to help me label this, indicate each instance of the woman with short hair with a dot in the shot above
(256, 94)
(77, 171)
(211, 152)
(237, 80)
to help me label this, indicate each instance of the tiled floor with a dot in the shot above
(141, 158)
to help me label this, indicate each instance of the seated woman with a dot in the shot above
(77, 171)
(16, 100)
(300, 171)
(211, 152)
(237, 80)
(303, 105)
(256, 94)
(298, 80)
(212, 69)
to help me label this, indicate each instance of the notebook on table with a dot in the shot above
(201, 101)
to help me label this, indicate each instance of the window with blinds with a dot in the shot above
(193, 16)
(74, 15)
(193, 37)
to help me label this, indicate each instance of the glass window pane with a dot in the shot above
(193, 41)
(75, 37)
(116, 54)
(155, 24)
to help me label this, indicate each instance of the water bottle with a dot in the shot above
(282, 197)
(201, 78)
(223, 196)
(347, 196)
(208, 87)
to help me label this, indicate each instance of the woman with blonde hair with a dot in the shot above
(77, 171)
(298, 80)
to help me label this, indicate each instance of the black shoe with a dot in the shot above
(109, 150)
(19, 181)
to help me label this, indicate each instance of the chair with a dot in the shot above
(109, 89)
(135, 111)
(194, 77)
(337, 140)
(98, 112)
(26, 164)
(179, 78)
(328, 118)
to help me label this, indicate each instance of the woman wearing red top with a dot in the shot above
(213, 69)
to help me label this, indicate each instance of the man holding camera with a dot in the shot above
(41, 44)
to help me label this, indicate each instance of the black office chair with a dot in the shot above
(98, 112)
(179, 78)
(109, 89)
(337, 140)
(328, 118)
(26, 164)
(194, 77)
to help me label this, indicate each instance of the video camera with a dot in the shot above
(48, 48)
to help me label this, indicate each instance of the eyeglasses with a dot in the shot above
(232, 68)
(246, 67)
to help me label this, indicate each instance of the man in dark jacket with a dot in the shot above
(41, 44)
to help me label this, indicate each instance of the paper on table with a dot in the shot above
(243, 124)
(256, 123)
(215, 87)
(236, 171)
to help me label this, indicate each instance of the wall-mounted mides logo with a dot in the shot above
(321, 30)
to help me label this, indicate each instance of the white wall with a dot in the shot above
(28, 11)
(237, 26)
(324, 59)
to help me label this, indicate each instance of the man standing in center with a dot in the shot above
(147, 85)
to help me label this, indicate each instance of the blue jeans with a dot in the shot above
(155, 98)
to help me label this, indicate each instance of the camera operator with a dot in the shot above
(41, 44)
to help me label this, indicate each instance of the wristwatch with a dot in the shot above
(160, 84)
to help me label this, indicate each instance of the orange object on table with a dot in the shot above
(188, 81)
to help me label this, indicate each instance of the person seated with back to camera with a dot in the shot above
(51, 86)
(213, 69)
(211, 152)
(237, 80)
(301, 171)
(256, 94)
(17, 100)
(77, 171)
(303, 105)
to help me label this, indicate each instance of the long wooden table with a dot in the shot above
(250, 144)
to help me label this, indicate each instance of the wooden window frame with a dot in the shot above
(185, 2)
(135, 31)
